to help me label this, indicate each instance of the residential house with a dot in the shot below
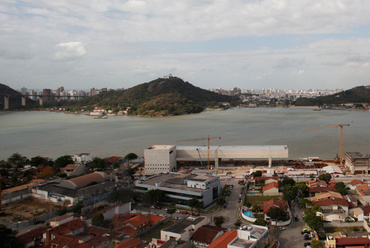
(344, 240)
(132, 224)
(363, 191)
(326, 195)
(333, 208)
(131, 243)
(206, 234)
(312, 191)
(251, 236)
(354, 183)
(224, 240)
(314, 183)
(44, 170)
(74, 169)
(82, 158)
(271, 189)
(33, 238)
(273, 203)
(184, 228)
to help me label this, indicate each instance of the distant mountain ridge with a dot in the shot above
(359, 94)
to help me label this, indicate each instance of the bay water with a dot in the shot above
(53, 134)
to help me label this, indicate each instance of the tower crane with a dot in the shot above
(341, 138)
(208, 139)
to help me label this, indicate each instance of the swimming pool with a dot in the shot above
(248, 214)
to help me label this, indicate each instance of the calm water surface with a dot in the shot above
(56, 134)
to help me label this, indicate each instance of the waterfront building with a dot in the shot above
(357, 163)
(180, 188)
(160, 158)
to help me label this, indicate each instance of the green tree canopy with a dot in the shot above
(260, 221)
(98, 163)
(219, 220)
(325, 177)
(257, 174)
(63, 161)
(36, 161)
(98, 219)
(287, 181)
(313, 221)
(192, 203)
(289, 192)
(8, 238)
(277, 214)
(77, 208)
(122, 195)
(18, 160)
(341, 188)
(154, 196)
(131, 156)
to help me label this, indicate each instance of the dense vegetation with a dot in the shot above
(163, 96)
(360, 94)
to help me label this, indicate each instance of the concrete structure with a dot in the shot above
(182, 187)
(357, 163)
(160, 158)
(233, 152)
(74, 170)
(251, 236)
(184, 228)
(82, 158)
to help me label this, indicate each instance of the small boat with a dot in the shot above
(316, 109)
(101, 117)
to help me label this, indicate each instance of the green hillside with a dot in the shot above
(360, 94)
(161, 97)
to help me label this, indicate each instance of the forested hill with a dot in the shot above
(360, 94)
(163, 96)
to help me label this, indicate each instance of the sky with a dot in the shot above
(250, 44)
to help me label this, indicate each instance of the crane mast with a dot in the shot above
(208, 146)
(341, 138)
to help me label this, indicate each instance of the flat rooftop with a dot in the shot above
(161, 147)
(356, 155)
(250, 148)
(180, 226)
(176, 181)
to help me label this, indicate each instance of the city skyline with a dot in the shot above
(245, 44)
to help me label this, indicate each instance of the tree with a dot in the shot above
(313, 221)
(36, 161)
(199, 206)
(98, 163)
(171, 211)
(325, 177)
(289, 192)
(122, 195)
(98, 219)
(256, 208)
(305, 202)
(154, 196)
(237, 224)
(8, 238)
(277, 214)
(192, 203)
(260, 221)
(317, 244)
(77, 208)
(241, 182)
(219, 220)
(18, 160)
(287, 181)
(302, 188)
(341, 188)
(129, 172)
(62, 161)
(257, 174)
(131, 156)
(221, 201)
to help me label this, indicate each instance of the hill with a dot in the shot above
(360, 94)
(161, 97)
(15, 98)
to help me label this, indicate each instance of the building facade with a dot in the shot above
(357, 163)
(160, 158)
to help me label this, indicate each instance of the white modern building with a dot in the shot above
(160, 158)
(184, 228)
(82, 158)
(180, 188)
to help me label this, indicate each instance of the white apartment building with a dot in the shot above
(160, 158)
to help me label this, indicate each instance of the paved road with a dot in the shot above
(291, 237)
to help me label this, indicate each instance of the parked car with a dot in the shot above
(184, 212)
(194, 214)
(305, 231)
(306, 236)
(307, 244)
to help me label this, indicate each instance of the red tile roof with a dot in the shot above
(273, 203)
(224, 240)
(363, 187)
(265, 179)
(270, 186)
(132, 243)
(352, 241)
(366, 210)
(86, 179)
(356, 182)
(112, 159)
(206, 234)
(29, 236)
(330, 201)
(321, 189)
(68, 227)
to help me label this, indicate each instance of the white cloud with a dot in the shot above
(70, 50)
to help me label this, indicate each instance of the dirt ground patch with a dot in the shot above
(259, 200)
(27, 209)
